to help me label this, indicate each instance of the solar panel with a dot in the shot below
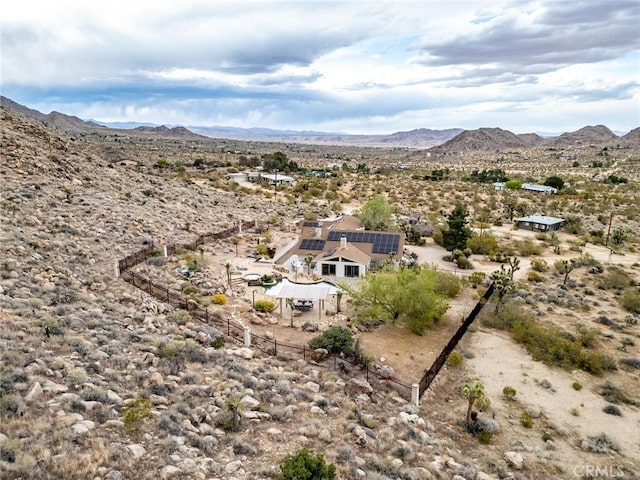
(309, 223)
(312, 244)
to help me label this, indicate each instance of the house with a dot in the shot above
(534, 187)
(275, 179)
(243, 177)
(340, 248)
(540, 223)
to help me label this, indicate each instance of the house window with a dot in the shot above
(328, 269)
(351, 270)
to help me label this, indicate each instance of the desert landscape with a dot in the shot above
(102, 380)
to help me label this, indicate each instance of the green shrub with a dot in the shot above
(217, 343)
(12, 406)
(509, 392)
(485, 437)
(219, 299)
(630, 300)
(306, 465)
(539, 265)
(447, 284)
(76, 377)
(265, 306)
(546, 437)
(196, 263)
(335, 340)
(477, 278)
(483, 245)
(230, 420)
(577, 386)
(527, 247)
(525, 420)
(136, 412)
(534, 276)
(454, 359)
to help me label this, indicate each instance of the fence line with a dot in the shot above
(236, 331)
(439, 362)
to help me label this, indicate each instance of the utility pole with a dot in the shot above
(606, 242)
(275, 185)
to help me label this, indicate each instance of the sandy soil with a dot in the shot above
(499, 362)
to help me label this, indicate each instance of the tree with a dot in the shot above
(503, 284)
(236, 241)
(376, 214)
(413, 296)
(306, 465)
(555, 182)
(509, 204)
(513, 185)
(227, 269)
(308, 260)
(457, 233)
(472, 391)
(565, 267)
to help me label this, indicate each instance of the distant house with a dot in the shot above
(243, 177)
(273, 179)
(340, 248)
(540, 223)
(531, 187)
(534, 187)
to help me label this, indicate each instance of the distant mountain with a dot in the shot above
(419, 138)
(631, 139)
(485, 139)
(585, 136)
(164, 131)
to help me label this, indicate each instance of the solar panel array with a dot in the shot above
(308, 223)
(382, 242)
(312, 244)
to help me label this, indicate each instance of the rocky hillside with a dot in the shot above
(483, 139)
(597, 135)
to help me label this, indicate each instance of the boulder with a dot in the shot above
(514, 459)
(319, 354)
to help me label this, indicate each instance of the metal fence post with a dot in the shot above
(415, 394)
(247, 337)
(116, 269)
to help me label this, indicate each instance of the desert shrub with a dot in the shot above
(447, 284)
(454, 359)
(539, 265)
(616, 278)
(577, 386)
(552, 346)
(463, 262)
(219, 299)
(525, 420)
(599, 444)
(230, 419)
(12, 406)
(483, 244)
(546, 437)
(631, 362)
(612, 410)
(335, 340)
(476, 278)
(265, 306)
(179, 316)
(613, 394)
(136, 412)
(77, 376)
(630, 300)
(534, 276)
(485, 437)
(196, 263)
(305, 465)
(509, 392)
(217, 343)
(527, 247)
(587, 337)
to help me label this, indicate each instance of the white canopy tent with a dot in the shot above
(302, 291)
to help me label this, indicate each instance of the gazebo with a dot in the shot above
(302, 291)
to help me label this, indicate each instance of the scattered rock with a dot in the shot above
(514, 459)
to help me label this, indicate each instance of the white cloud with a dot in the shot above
(342, 66)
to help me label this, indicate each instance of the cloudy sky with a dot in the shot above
(343, 66)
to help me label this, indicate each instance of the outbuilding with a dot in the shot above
(540, 223)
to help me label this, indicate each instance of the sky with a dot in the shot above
(344, 66)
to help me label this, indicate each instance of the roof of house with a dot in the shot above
(322, 236)
(278, 178)
(541, 219)
(538, 188)
(311, 291)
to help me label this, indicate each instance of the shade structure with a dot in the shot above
(309, 291)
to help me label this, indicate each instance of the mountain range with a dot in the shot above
(440, 141)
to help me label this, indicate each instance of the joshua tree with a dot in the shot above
(504, 284)
(472, 391)
(227, 269)
(308, 260)
(236, 241)
(514, 264)
(566, 267)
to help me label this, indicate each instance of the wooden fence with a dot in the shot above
(231, 329)
(430, 375)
